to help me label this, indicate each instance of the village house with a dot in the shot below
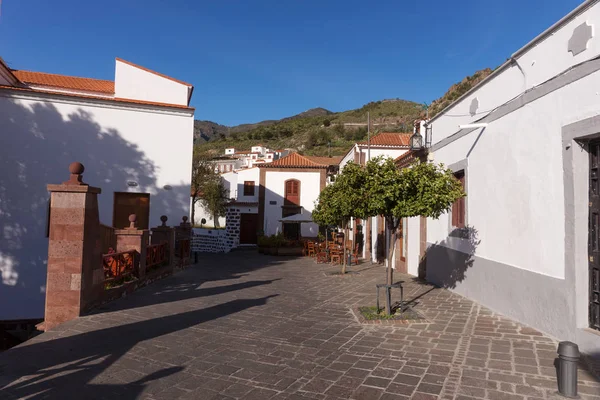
(133, 134)
(291, 186)
(525, 144)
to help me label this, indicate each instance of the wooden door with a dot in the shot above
(292, 192)
(248, 228)
(126, 204)
(593, 237)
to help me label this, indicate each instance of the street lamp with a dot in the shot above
(416, 141)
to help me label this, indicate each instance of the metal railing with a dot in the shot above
(157, 255)
(108, 239)
(119, 267)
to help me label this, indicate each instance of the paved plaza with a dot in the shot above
(248, 326)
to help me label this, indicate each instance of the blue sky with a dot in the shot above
(251, 60)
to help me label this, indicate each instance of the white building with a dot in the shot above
(525, 241)
(289, 186)
(134, 136)
(242, 189)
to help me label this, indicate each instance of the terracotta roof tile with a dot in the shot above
(295, 160)
(65, 82)
(389, 139)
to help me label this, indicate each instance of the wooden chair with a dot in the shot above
(311, 249)
(305, 247)
(321, 257)
(336, 256)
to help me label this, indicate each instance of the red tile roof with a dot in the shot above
(65, 82)
(389, 139)
(295, 160)
(154, 72)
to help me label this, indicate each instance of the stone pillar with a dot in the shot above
(232, 229)
(164, 233)
(75, 276)
(132, 238)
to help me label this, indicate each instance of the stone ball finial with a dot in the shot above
(184, 218)
(132, 219)
(76, 170)
(163, 219)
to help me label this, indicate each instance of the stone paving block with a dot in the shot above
(289, 336)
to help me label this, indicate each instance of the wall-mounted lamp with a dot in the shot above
(416, 141)
(132, 183)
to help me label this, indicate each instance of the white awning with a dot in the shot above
(298, 218)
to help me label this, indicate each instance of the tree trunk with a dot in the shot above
(193, 210)
(390, 232)
(344, 249)
(391, 242)
(216, 220)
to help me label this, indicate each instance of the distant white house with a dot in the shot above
(289, 186)
(525, 142)
(134, 135)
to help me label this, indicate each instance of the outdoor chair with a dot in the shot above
(311, 249)
(336, 257)
(321, 257)
(305, 247)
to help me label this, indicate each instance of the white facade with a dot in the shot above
(274, 198)
(525, 251)
(230, 151)
(125, 146)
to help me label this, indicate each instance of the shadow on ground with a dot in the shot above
(52, 367)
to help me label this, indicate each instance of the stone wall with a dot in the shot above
(232, 227)
(220, 241)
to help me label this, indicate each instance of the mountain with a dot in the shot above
(322, 132)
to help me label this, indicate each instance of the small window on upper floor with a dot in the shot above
(248, 188)
(458, 207)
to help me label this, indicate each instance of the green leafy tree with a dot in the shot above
(341, 201)
(214, 199)
(203, 171)
(424, 189)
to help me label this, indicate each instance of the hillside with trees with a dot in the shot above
(322, 132)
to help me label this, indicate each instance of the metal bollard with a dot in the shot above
(566, 368)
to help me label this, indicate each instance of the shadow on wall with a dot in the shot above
(445, 267)
(37, 143)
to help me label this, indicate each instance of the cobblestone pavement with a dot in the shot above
(247, 326)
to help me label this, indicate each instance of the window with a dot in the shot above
(458, 208)
(248, 188)
(292, 192)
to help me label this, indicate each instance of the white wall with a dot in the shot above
(116, 144)
(137, 84)
(310, 183)
(200, 212)
(250, 174)
(516, 190)
(413, 246)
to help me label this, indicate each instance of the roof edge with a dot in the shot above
(558, 24)
(98, 98)
(155, 73)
